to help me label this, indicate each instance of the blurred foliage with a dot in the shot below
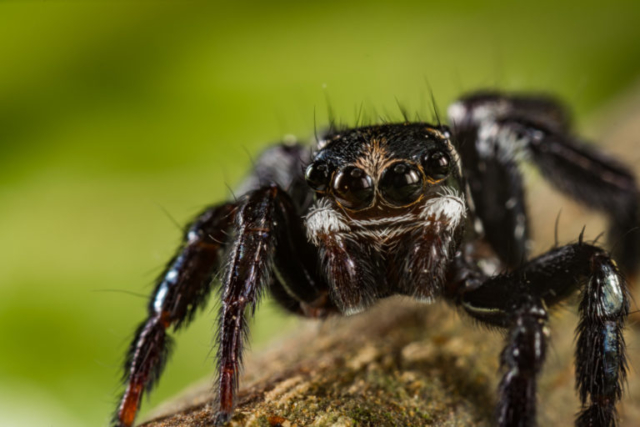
(113, 112)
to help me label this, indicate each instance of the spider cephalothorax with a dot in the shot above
(387, 197)
(418, 210)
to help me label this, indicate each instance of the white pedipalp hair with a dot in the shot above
(449, 206)
(323, 218)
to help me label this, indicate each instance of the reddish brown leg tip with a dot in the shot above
(129, 407)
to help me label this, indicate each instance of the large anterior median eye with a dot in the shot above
(353, 188)
(401, 184)
(317, 176)
(437, 165)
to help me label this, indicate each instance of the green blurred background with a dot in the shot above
(112, 113)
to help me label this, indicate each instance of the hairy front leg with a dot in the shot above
(498, 131)
(262, 238)
(181, 289)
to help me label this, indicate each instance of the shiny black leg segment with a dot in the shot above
(516, 300)
(297, 287)
(495, 132)
(181, 289)
(521, 362)
(496, 186)
(479, 106)
(590, 177)
(321, 308)
(601, 363)
(491, 167)
(296, 261)
(264, 224)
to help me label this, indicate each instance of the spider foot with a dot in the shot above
(598, 416)
(221, 418)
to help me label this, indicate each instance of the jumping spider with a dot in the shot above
(419, 210)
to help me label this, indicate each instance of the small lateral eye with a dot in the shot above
(401, 184)
(353, 188)
(317, 176)
(437, 166)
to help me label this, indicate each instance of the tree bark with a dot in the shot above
(408, 364)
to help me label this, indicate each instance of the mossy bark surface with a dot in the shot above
(408, 364)
(400, 364)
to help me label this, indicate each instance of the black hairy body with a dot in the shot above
(418, 210)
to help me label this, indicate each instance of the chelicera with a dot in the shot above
(414, 209)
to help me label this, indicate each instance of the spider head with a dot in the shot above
(383, 170)
(386, 196)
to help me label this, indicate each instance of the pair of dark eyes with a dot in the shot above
(400, 184)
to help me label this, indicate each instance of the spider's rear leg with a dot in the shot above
(491, 166)
(517, 300)
(497, 132)
(181, 290)
(269, 241)
(591, 177)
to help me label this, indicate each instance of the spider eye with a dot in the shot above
(437, 165)
(317, 176)
(401, 184)
(353, 188)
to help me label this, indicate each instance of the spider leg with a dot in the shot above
(497, 191)
(320, 308)
(491, 168)
(269, 242)
(496, 132)
(297, 286)
(517, 300)
(590, 177)
(181, 289)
